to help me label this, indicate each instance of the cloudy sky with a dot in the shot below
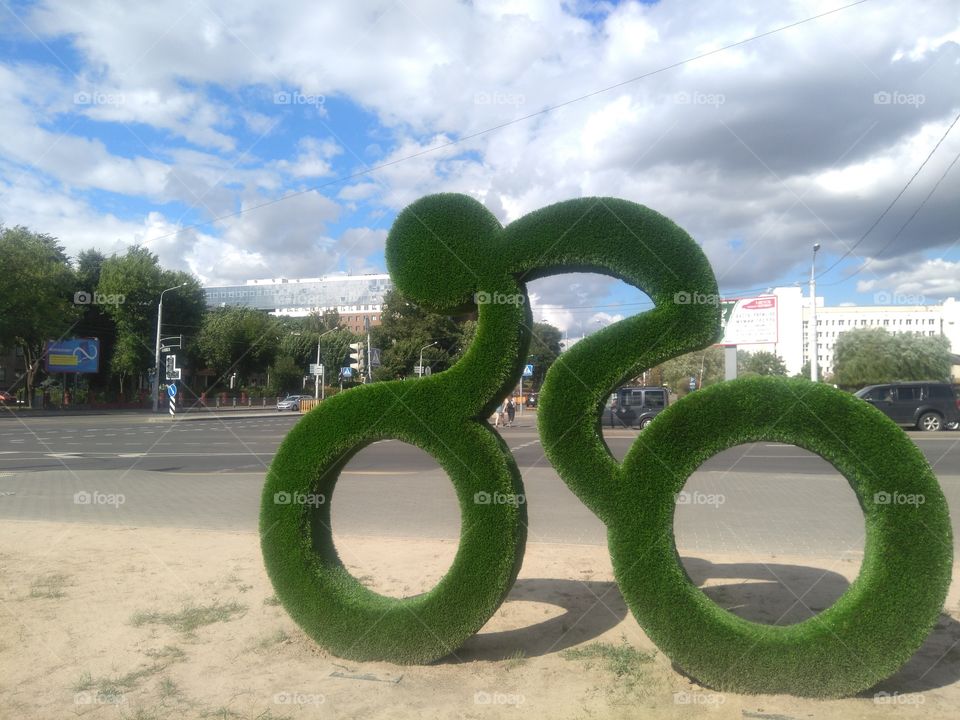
(242, 139)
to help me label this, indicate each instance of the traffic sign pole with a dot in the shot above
(172, 393)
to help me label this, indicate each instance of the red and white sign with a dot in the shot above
(749, 321)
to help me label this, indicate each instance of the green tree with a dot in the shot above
(405, 329)
(868, 356)
(761, 362)
(239, 339)
(705, 366)
(285, 376)
(133, 283)
(544, 350)
(36, 296)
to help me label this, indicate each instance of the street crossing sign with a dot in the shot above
(528, 371)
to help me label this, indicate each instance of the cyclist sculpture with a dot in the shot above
(448, 253)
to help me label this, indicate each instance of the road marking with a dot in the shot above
(380, 472)
(131, 455)
(532, 442)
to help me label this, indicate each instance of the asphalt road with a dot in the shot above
(209, 474)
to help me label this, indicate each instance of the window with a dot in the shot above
(906, 393)
(940, 392)
(656, 399)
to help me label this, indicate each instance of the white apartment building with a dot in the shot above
(357, 298)
(793, 318)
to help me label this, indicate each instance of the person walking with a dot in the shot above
(498, 416)
(511, 411)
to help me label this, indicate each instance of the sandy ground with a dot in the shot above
(93, 624)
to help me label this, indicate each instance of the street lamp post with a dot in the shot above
(319, 390)
(156, 350)
(421, 356)
(813, 314)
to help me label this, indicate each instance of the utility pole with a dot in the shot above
(318, 380)
(813, 314)
(156, 350)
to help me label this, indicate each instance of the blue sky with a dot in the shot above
(157, 125)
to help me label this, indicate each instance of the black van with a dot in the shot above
(635, 406)
(924, 405)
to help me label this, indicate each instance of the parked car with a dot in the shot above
(635, 406)
(927, 406)
(292, 402)
(7, 399)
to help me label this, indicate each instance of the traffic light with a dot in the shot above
(355, 357)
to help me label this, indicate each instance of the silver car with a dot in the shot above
(291, 402)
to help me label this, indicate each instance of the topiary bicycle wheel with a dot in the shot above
(881, 619)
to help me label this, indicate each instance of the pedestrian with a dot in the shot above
(511, 411)
(498, 416)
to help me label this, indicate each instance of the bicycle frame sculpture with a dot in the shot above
(449, 254)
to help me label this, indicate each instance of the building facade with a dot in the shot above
(793, 326)
(357, 298)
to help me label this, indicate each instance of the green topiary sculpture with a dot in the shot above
(447, 253)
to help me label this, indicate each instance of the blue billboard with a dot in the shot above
(73, 356)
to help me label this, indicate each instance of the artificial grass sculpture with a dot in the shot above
(448, 253)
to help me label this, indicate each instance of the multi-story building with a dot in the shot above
(356, 298)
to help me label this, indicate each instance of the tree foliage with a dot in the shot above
(238, 339)
(761, 362)
(868, 356)
(36, 296)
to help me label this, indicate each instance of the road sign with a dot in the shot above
(528, 371)
(346, 372)
(693, 383)
(173, 372)
(73, 356)
(316, 369)
(172, 390)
